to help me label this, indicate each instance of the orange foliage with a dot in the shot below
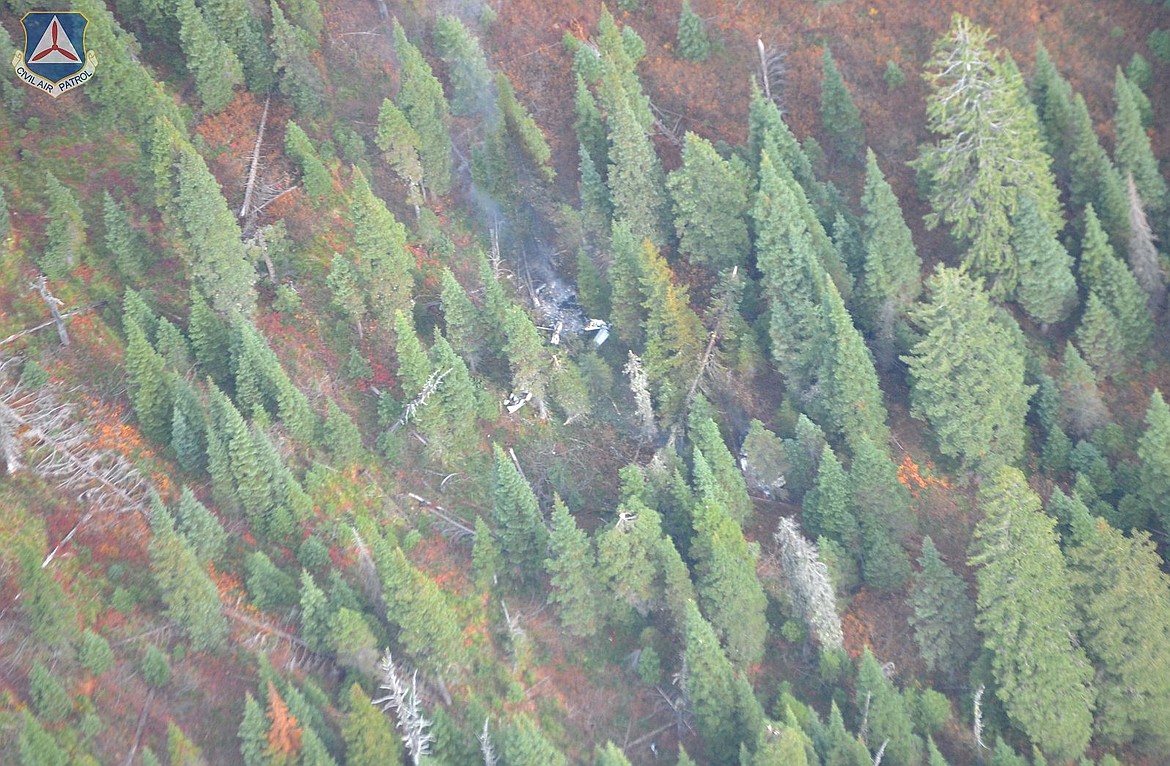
(911, 477)
(284, 736)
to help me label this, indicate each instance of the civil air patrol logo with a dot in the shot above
(54, 59)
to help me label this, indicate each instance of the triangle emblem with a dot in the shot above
(54, 47)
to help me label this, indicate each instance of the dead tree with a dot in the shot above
(485, 746)
(420, 400)
(806, 579)
(403, 701)
(640, 388)
(773, 72)
(54, 303)
(246, 208)
(1143, 256)
(62, 450)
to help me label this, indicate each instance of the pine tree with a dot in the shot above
(709, 688)
(191, 597)
(37, 747)
(693, 44)
(215, 253)
(517, 517)
(627, 560)
(839, 115)
(467, 68)
(625, 280)
(49, 698)
(1094, 179)
(95, 654)
(1104, 274)
(215, 66)
(1123, 599)
(341, 434)
(429, 629)
(969, 385)
(297, 76)
(1082, 411)
(883, 510)
(122, 240)
(316, 177)
(1100, 338)
(636, 182)
(1132, 153)
(943, 616)
(706, 438)
(725, 574)
(382, 262)
(316, 614)
(571, 566)
(1153, 451)
(886, 714)
(1053, 97)
(243, 32)
(199, 527)
(841, 748)
(1047, 290)
(804, 452)
(674, 333)
(828, 506)
(589, 127)
(525, 134)
(421, 100)
(150, 391)
(400, 144)
(368, 735)
(464, 326)
(991, 152)
(710, 205)
(5, 218)
(65, 230)
(1026, 613)
(890, 274)
(486, 561)
(524, 744)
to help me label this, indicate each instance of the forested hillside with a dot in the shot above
(523, 384)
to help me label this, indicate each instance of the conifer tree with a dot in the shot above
(464, 326)
(883, 510)
(674, 333)
(968, 385)
(725, 571)
(209, 339)
(943, 616)
(428, 626)
(1047, 289)
(525, 133)
(214, 253)
(1148, 500)
(1026, 613)
(65, 230)
(341, 434)
(627, 559)
(297, 76)
(1100, 338)
(317, 179)
(840, 748)
(237, 22)
(382, 262)
(517, 517)
(49, 698)
(710, 205)
(839, 115)
(693, 44)
(369, 737)
(991, 152)
(95, 654)
(214, 65)
(1133, 154)
(316, 615)
(1053, 97)
(467, 67)
(400, 143)
(571, 566)
(804, 452)
(636, 182)
(1082, 411)
(1094, 179)
(526, 355)
(486, 561)
(524, 744)
(37, 746)
(1104, 274)
(704, 435)
(1123, 599)
(589, 127)
(191, 598)
(625, 280)
(596, 205)
(709, 687)
(421, 100)
(122, 240)
(150, 391)
(767, 132)
(887, 714)
(5, 218)
(890, 272)
(199, 527)
(828, 506)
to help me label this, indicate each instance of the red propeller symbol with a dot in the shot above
(53, 28)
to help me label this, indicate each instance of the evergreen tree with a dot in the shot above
(486, 561)
(693, 44)
(968, 384)
(1100, 338)
(464, 326)
(421, 100)
(943, 616)
(524, 744)
(316, 177)
(49, 698)
(883, 511)
(1047, 290)
(1082, 411)
(852, 397)
(65, 231)
(215, 253)
(674, 334)
(828, 506)
(725, 574)
(516, 513)
(890, 273)
(1026, 614)
(382, 262)
(95, 654)
(1104, 274)
(571, 566)
(214, 65)
(316, 615)
(199, 527)
(637, 186)
(628, 559)
(244, 34)
(840, 748)
(1148, 500)
(428, 628)
(887, 715)
(122, 240)
(839, 115)
(37, 747)
(341, 434)
(804, 452)
(191, 597)
(1132, 152)
(589, 127)
(400, 143)
(5, 218)
(1053, 97)
(297, 76)
(1123, 599)
(150, 391)
(710, 205)
(1094, 179)
(709, 687)
(704, 435)
(991, 152)
(526, 135)
(368, 735)
(467, 68)
(625, 280)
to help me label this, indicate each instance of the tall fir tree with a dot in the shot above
(199, 527)
(709, 687)
(214, 65)
(674, 334)
(369, 736)
(1132, 153)
(1094, 179)
(297, 76)
(150, 390)
(705, 436)
(400, 144)
(64, 232)
(839, 115)
(828, 506)
(943, 615)
(1082, 410)
(887, 714)
(572, 567)
(1100, 338)
(968, 385)
(421, 100)
(883, 511)
(693, 43)
(242, 31)
(517, 517)
(1047, 290)
(1147, 501)
(1104, 274)
(467, 68)
(1027, 616)
(382, 263)
(890, 278)
(625, 280)
(637, 185)
(191, 598)
(710, 196)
